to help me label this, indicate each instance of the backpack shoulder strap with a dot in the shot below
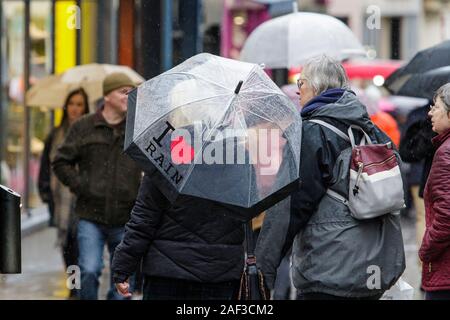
(341, 134)
(332, 128)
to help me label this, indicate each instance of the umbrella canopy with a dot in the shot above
(52, 91)
(422, 85)
(291, 90)
(426, 60)
(216, 129)
(289, 40)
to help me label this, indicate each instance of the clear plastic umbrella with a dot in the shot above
(217, 129)
(288, 41)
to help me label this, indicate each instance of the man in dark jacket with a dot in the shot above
(334, 256)
(92, 164)
(191, 249)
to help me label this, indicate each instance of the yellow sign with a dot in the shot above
(65, 40)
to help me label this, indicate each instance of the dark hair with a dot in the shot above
(65, 119)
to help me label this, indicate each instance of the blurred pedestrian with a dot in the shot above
(435, 249)
(92, 163)
(192, 250)
(383, 120)
(417, 149)
(58, 197)
(333, 255)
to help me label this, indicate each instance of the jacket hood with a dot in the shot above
(348, 110)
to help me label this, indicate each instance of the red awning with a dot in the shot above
(364, 69)
(371, 68)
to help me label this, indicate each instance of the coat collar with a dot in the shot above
(440, 139)
(100, 121)
(327, 97)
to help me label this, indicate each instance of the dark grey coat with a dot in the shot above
(333, 253)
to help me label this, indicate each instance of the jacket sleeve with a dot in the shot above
(44, 171)
(139, 231)
(437, 235)
(283, 221)
(316, 169)
(67, 156)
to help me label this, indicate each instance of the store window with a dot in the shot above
(13, 173)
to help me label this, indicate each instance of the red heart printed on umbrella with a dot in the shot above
(181, 152)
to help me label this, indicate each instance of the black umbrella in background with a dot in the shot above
(424, 85)
(425, 60)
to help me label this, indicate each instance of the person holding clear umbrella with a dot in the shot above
(191, 249)
(334, 254)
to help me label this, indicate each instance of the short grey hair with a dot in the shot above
(323, 73)
(444, 93)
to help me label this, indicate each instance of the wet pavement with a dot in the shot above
(412, 274)
(43, 274)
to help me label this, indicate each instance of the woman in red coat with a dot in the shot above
(435, 249)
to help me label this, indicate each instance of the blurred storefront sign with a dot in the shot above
(241, 17)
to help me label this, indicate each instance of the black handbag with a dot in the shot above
(252, 285)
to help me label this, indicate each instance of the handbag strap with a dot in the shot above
(250, 240)
(365, 139)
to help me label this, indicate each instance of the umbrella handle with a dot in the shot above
(238, 87)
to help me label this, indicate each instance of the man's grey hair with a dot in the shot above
(323, 73)
(444, 93)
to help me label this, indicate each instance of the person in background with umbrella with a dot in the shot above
(434, 251)
(58, 197)
(191, 249)
(417, 150)
(333, 252)
(91, 163)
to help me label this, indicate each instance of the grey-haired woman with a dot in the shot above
(334, 256)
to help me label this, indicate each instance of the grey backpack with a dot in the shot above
(375, 181)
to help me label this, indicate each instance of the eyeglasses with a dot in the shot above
(300, 82)
(433, 107)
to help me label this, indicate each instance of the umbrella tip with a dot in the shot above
(262, 65)
(238, 87)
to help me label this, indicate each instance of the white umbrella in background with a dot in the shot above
(288, 41)
(51, 91)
